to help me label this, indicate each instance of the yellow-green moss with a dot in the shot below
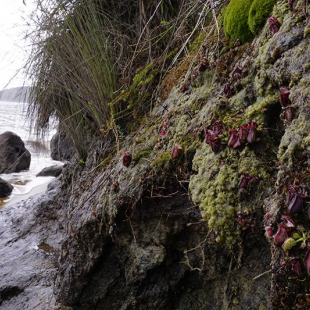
(281, 9)
(294, 141)
(145, 153)
(236, 21)
(162, 162)
(181, 126)
(196, 44)
(258, 110)
(258, 14)
(149, 135)
(215, 187)
(189, 145)
(307, 31)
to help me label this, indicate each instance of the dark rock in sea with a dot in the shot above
(5, 188)
(14, 157)
(52, 171)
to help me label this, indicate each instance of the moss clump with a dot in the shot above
(307, 31)
(295, 141)
(215, 188)
(257, 111)
(141, 154)
(236, 21)
(259, 12)
(162, 163)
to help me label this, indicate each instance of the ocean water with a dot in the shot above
(13, 117)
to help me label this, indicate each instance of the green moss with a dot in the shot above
(196, 44)
(141, 154)
(189, 145)
(295, 141)
(162, 162)
(236, 21)
(181, 126)
(307, 31)
(215, 188)
(257, 111)
(259, 12)
(150, 133)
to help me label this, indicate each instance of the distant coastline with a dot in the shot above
(16, 94)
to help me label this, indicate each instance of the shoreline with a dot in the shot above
(21, 192)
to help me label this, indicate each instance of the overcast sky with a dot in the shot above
(14, 15)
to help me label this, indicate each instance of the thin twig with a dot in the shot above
(262, 274)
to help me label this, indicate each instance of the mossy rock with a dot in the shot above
(259, 12)
(236, 21)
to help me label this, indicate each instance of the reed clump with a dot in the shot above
(87, 56)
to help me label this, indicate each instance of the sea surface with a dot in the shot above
(13, 117)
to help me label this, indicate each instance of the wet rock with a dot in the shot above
(14, 157)
(29, 247)
(5, 188)
(53, 171)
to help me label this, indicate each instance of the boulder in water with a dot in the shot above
(51, 171)
(5, 188)
(62, 147)
(14, 157)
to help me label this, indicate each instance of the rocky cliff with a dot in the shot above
(204, 207)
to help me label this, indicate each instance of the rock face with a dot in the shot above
(5, 188)
(152, 254)
(14, 156)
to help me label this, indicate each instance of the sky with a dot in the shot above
(14, 15)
